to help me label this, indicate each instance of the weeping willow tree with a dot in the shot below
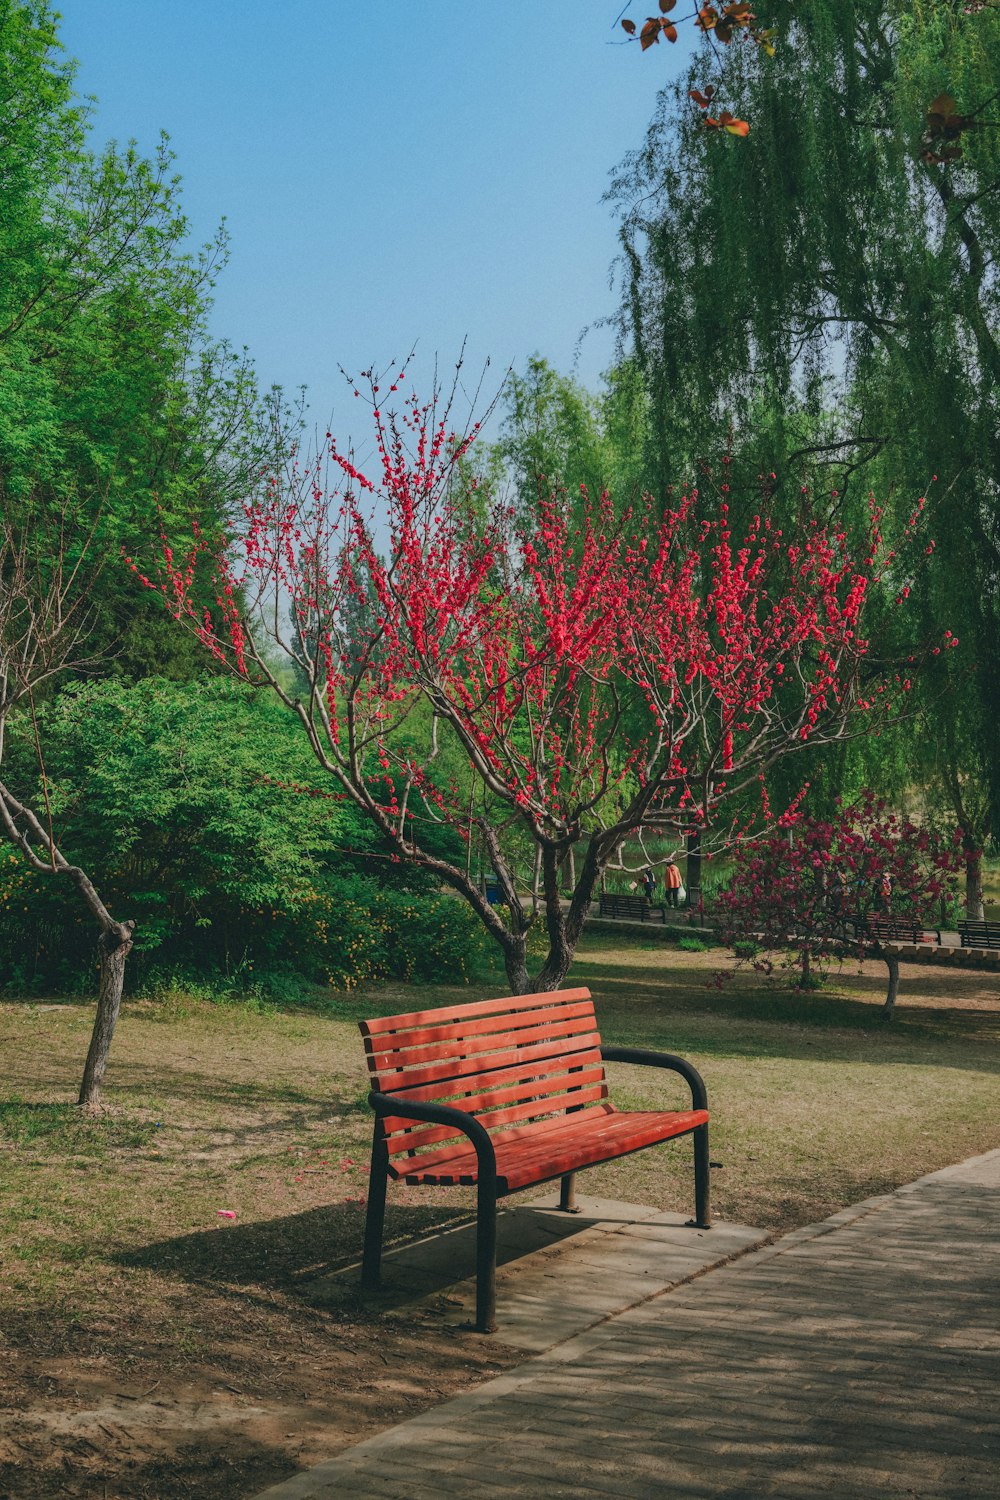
(822, 294)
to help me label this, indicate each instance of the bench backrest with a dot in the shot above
(890, 928)
(625, 903)
(979, 934)
(511, 1062)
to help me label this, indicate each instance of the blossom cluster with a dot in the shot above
(592, 655)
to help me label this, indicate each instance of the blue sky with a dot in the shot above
(389, 176)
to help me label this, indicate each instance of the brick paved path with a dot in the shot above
(857, 1358)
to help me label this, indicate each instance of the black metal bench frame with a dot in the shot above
(979, 934)
(637, 908)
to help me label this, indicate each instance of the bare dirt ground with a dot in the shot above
(150, 1349)
(99, 1409)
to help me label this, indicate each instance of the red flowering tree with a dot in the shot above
(817, 889)
(596, 673)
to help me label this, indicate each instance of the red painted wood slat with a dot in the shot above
(454, 1070)
(480, 1052)
(411, 1135)
(550, 1073)
(552, 1097)
(460, 1150)
(559, 1150)
(556, 1020)
(502, 1006)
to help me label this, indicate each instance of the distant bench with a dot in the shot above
(527, 1102)
(632, 908)
(892, 930)
(979, 934)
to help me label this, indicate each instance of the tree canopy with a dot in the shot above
(114, 395)
(527, 640)
(823, 296)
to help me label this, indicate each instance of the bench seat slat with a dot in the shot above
(525, 1130)
(561, 1147)
(559, 1020)
(500, 1007)
(403, 1080)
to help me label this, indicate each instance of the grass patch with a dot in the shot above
(64, 1130)
(119, 1275)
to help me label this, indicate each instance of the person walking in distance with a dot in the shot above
(672, 883)
(883, 893)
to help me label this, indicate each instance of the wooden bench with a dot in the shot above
(632, 908)
(892, 930)
(502, 1095)
(979, 934)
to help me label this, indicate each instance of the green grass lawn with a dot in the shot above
(117, 1273)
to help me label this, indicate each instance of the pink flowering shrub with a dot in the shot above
(815, 889)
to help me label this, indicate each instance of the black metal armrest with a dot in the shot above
(440, 1114)
(641, 1055)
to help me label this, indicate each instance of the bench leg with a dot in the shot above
(371, 1261)
(567, 1194)
(702, 1176)
(486, 1254)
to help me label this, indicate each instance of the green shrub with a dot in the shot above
(199, 813)
(690, 944)
(809, 981)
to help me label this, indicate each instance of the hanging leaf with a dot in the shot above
(669, 30)
(728, 122)
(666, 6)
(629, 26)
(740, 14)
(733, 125)
(703, 100)
(724, 31)
(650, 32)
(708, 18)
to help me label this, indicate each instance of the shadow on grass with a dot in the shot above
(290, 1253)
(165, 1080)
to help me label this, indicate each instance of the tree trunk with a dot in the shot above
(552, 973)
(693, 872)
(115, 946)
(973, 885)
(515, 962)
(806, 957)
(892, 964)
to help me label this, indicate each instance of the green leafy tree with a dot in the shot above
(823, 296)
(112, 391)
(555, 434)
(192, 806)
